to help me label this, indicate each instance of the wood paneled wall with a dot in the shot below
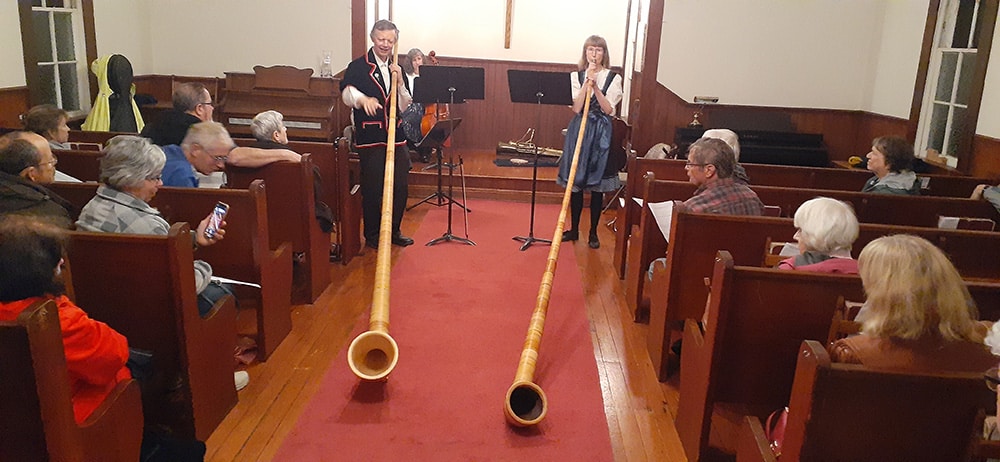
(496, 118)
(14, 101)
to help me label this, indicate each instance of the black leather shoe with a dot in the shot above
(571, 235)
(593, 242)
(402, 240)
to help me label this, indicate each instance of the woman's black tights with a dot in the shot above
(576, 209)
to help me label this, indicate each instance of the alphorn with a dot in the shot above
(526, 403)
(373, 354)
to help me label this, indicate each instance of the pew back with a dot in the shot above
(849, 412)
(36, 410)
(143, 287)
(80, 164)
(291, 218)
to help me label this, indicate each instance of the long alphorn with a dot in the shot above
(373, 354)
(526, 403)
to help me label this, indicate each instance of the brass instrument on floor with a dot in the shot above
(526, 145)
(373, 354)
(526, 403)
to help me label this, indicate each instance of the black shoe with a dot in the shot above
(401, 240)
(571, 235)
(593, 242)
(373, 243)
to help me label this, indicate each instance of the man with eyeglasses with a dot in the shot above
(206, 149)
(192, 104)
(25, 169)
(710, 167)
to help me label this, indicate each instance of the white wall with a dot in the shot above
(541, 30)
(898, 58)
(989, 112)
(12, 70)
(209, 38)
(770, 52)
(122, 27)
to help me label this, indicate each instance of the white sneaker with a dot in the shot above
(242, 379)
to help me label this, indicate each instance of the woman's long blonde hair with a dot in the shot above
(913, 291)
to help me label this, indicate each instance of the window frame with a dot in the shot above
(984, 39)
(31, 77)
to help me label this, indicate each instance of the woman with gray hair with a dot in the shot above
(269, 129)
(130, 178)
(825, 230)
(733, 140)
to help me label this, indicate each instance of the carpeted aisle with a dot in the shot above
(460, 314)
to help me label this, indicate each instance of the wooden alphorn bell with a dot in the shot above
(373, 354)
(526, 403)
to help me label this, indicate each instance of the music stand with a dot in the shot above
(435, 139)
(454, 85)
(541, 88)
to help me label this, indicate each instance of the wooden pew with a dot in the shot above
(243, 255)
(746, 357)
(291, 218)
(81, 164)
(849, 412)
(81, 136)
(36, 411)
(676, 292)
(143, 287)
(339, 189)
(766, 175)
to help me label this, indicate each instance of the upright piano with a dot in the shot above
(310, 105)
(766, 137)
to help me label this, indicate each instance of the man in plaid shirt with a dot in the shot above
(710, 167)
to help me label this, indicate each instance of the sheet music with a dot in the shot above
(948, 222)
(663, 212)
(638, 200)
(789, 249)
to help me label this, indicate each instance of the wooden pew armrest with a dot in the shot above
(114, 430)
(751, 444)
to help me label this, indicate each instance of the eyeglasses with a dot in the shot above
(155, 178)
(208, 104)
(690, 165)
(52, 162)
(222, 159)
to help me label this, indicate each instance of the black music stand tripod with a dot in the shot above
(540, 88)
(435, 139)
(439, 84)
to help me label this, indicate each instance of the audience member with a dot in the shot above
(730, 137)
(891, 160)
(206, 149)
(31, 261)
(988, 193)
(192, 104)
(365, 88)
(594, 74)
(269, 130)
(49, 121)
(825, 230)
(919, 316)
(710, 167)
(44, 149)
(24, 172)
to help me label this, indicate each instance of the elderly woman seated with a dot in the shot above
(891, 159)
(825, 230)
(919, 316)
(130, 177)
(50, 122)
(269, 129)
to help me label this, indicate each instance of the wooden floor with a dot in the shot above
(638, 408)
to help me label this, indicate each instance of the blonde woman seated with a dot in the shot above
(825, 230)
(919, 315)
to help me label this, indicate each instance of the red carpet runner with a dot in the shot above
(460, 314)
